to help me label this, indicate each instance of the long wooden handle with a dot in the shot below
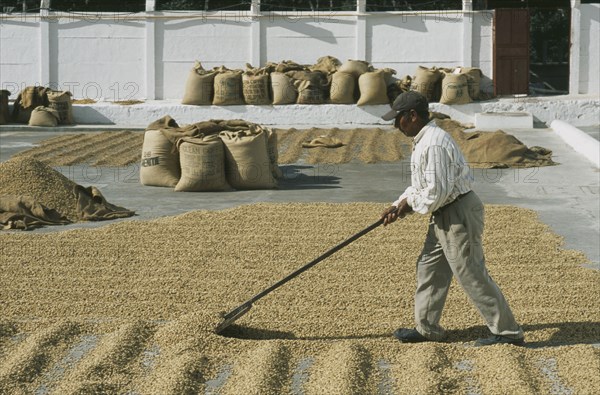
(313, 262)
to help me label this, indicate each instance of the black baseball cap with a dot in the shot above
(410, 100)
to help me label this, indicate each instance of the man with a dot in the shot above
(441, 186)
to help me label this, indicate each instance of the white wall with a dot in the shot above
(305, 39)
(179, 42)
(589, 67)
(100, 59)
(148, 55)
(19, 54)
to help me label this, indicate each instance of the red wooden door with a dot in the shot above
(511, 51)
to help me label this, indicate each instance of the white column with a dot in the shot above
(255, 36)
(574, 58)
(44, 43)
(150, 52)
(467, 25)
(361, 30)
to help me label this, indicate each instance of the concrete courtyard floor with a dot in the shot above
(566, 196)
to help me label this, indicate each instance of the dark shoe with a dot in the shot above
(497, 339)
(406, 335)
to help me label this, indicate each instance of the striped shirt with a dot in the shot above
(439, 172)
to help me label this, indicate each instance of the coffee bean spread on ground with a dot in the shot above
(131, 307)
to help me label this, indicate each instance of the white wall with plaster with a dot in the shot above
(99, 59)
(19, 54)
(148, 55)
(589, 67)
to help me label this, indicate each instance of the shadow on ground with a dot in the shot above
(566, 333)
(309, 177)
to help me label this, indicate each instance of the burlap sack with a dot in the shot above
(61, 102)
(283, 90)
(326, 64)
(342, 88)
(272, 149)
(455, 89)
(202, 162)
(228, 88)
(199, 87)
(309, 92)
(310, 85)
(273, 152)
(287, 65)
(426, 82)
(165, 122)
(44, 116)
(256, 89)
(92, 206)
(355, 67)
(473, 80)
(25, 212)
(372, 88)
(388, 75)
(160, 163)
(29, 98)
(4, 113)
(247, 163)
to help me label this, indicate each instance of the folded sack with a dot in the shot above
(25, 213)
(323, 141)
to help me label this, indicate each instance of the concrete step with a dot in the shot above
(503, 120)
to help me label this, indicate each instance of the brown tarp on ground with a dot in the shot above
(495, 149)
(92, 206)
(25, 213)
(30, 189)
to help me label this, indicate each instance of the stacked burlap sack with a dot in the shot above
(287, 82)
(40, 106)
(4, 112)
(458, 85)
(214, 155)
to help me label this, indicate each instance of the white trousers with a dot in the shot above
(454, 247)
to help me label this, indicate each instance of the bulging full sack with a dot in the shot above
(310, 85)
(202, 161)
(474, 75)
(282, 88)
(160, 162)
(228, 88)
(256, 89)
(342, 88)
(61, 102)
(355, 67)
(247, 163)
(4, 113)
(272, 149)
(373, 89)
(455, 89)
(199, 87)
(44, 116)
(29, 98)
(426, 82)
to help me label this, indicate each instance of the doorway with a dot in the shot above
(511, 51)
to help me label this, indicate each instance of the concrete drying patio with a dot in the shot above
(566, 196)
